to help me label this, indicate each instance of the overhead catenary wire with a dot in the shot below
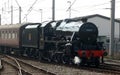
(71, 5)
(5, 19)
(75, 10)
(17, 3)
(19, 11)
(93, 7)
(30, 9)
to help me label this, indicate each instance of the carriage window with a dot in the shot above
(2, 34)
(9, 35)
(5, 34)
(16, 34)
(13, 35)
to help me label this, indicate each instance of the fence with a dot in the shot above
(116, 52)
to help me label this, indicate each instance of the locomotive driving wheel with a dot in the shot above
(40, 56)
(66, 59)
(97, 62)
(83, 62)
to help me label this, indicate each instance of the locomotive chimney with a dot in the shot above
(84, 19)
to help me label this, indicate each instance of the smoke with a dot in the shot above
(77, 60)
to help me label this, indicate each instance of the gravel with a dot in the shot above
(62, 70)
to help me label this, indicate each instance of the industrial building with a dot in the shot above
(104, 26)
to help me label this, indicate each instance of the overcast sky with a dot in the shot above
(79, 8)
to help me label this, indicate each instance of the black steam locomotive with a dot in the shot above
(59, 41)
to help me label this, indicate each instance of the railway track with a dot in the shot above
(61, 69)
(107, 68)
(103, 68)
(112, 69)
(24, 68)
(110, 61)
(8, 70)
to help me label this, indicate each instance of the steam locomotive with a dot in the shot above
(67, 41)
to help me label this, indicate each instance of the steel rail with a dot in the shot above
(19, 67)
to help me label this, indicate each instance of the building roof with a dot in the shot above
(96, 15)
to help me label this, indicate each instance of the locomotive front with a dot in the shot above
(88, 49)
(88, 33)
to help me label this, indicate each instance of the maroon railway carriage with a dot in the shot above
(10, 37)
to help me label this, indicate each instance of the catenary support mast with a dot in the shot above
(53, 10)
(112, 41)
